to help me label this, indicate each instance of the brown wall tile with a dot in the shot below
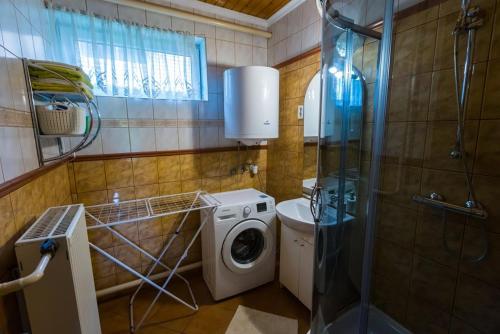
(477, 304)
(488, 148)
(145, 171)
(119, 173)
(90, 176)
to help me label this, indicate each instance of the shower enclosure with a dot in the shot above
(355, 61)
(402, 232)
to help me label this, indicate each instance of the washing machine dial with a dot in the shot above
(246, 211)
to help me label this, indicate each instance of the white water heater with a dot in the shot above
(251, 104)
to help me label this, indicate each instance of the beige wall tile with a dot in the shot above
(146, 191)
(92, 197)
(190, 166)
(119, 173)
(89, 176)
(169, 168)
(210, 164)
(7, 221)
(145, 171)
(121, 194)
(169, 188)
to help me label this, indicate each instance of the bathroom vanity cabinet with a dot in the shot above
(297, 263)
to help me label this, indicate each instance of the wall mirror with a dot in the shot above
(330, 130)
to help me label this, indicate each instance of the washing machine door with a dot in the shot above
(247, 245)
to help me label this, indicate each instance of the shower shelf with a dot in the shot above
(471, 212)
(108, 216)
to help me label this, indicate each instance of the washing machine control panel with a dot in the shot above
(247, 211)
(262, 207)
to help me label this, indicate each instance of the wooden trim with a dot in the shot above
(96, 157)
(16, 183)
(299, 57)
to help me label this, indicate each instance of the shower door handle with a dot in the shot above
(316, 204)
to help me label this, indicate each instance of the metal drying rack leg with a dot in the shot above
(184, 255)
(133, 327)
(110, 215)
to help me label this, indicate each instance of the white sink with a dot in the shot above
(296, 214)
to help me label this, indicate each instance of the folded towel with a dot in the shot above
(69, 71)
(60, 85)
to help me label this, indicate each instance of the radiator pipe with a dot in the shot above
(128, 285)
(35, 276)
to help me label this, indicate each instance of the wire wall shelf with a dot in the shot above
(108, 216)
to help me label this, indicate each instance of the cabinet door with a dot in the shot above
(289, 259)
(306, 273)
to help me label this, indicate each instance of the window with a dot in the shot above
(130, 60)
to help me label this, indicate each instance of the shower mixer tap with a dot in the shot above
(469, 18)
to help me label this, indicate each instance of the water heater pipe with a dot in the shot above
(181, 14)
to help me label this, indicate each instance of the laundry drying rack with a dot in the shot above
(108, 216)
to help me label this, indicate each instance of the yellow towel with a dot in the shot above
(69, 71)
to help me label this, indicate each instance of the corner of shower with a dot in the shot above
(355, 60)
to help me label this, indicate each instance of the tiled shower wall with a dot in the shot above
(148, 125)
(430, 287)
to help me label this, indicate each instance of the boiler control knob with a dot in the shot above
(246, 211)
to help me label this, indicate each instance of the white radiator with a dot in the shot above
(64, 300)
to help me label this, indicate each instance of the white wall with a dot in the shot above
(22, 25)
(295, 33)
(138, 125)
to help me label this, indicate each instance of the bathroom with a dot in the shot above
(382, 115)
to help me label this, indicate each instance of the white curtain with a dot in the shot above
(130, 60)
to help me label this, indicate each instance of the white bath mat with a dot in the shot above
(249, 321)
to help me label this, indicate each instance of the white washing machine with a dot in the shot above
(239, 242)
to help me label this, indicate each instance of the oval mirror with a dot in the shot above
(311, 109)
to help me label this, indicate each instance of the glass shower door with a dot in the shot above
(339, 236)
(342, 199)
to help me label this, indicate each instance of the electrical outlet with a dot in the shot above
(300, 112)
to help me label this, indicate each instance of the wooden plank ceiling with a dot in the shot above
(260, 8)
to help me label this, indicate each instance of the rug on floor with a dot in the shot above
(249, 321)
